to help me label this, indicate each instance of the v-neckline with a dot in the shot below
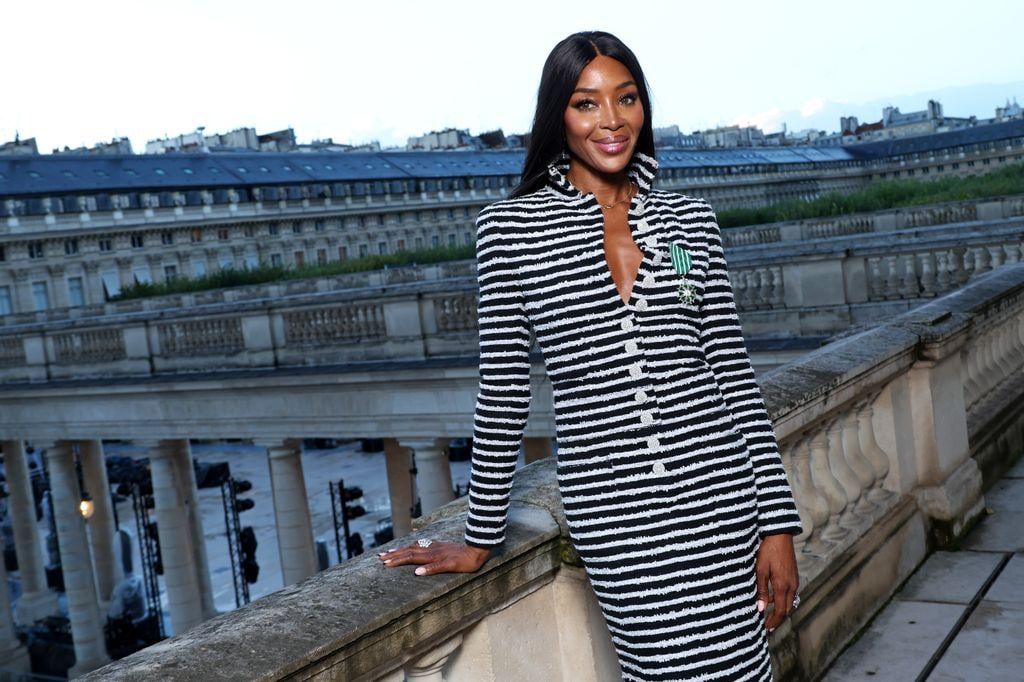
(629, 302)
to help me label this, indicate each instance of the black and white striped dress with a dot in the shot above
(667, 461)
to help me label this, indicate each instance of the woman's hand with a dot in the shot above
(776, 566)
(437, 557)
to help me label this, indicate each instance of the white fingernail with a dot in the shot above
(761, 604)
(420, 571)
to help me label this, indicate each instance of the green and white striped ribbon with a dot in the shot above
(681, 259)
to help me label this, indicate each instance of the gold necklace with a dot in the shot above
(629, 195)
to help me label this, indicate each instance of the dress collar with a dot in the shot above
(642, 170)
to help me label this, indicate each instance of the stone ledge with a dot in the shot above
(322, 626)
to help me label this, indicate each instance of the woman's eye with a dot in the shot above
(584, 104)
(628, 99)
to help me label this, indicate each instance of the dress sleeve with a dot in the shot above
(721, 340)
(503, 399)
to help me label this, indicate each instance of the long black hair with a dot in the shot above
(557, 81)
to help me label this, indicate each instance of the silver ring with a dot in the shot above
(424, 542)
(796, 602)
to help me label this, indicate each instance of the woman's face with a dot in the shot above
(603, 119)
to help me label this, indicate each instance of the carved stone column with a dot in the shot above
(177, 548)
(76, 562)
(13, 656)
(291, 512)
(101, 525)
(399, 485)
(36, 601)
(434, 474)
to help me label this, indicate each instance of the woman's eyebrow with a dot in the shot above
(624, 84)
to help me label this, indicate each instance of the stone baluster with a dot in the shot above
(877, 457)
(1012, 253)
(430, 667)
(964, 264)
(928, 274)
(943, 275)
(765, 296)
(813, 509)
(980, 255)
(996, 256)
(844, 476)
(892, 279)
(76, 562)
(740, 287)
(36, 601)
(833, 531)
(778, 290)
(876, 284)
(971, 374)
(909, 286)
(858, 463)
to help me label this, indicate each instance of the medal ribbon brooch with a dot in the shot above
(682, 261)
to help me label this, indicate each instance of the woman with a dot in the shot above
(668, 466)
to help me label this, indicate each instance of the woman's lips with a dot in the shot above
(612, 145)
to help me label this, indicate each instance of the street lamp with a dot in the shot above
(86, 506)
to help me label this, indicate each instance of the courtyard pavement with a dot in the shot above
(960, 617)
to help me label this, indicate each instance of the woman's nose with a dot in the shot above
(610, 118)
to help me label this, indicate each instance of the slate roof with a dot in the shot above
(928, 143)
(64, 173)
(56, 174)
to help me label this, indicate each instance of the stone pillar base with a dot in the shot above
(33, 606)
(15, 660)
(955, 505)
(79, 669)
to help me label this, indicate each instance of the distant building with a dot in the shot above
(730, 137)
(1010, 111)
(449, 138)
(240, 139)
(671, 136)
(19, 147)
(118, 145)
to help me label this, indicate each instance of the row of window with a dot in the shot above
(141, 273)
(168, 237)
(162, 199)
(941, 168)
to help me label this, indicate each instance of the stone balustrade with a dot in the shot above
(877, 221)
(805, 289)
(885, 435)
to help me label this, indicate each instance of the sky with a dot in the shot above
(76, 73)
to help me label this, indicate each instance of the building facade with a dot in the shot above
(75, 230)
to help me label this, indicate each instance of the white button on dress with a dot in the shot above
(631, 347)
(641, 396)
(636, 371)
(627, 325)
(646, 418)
(653, 443)
(658, 468)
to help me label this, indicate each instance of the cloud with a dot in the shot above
(768, 120)
(812, 107)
